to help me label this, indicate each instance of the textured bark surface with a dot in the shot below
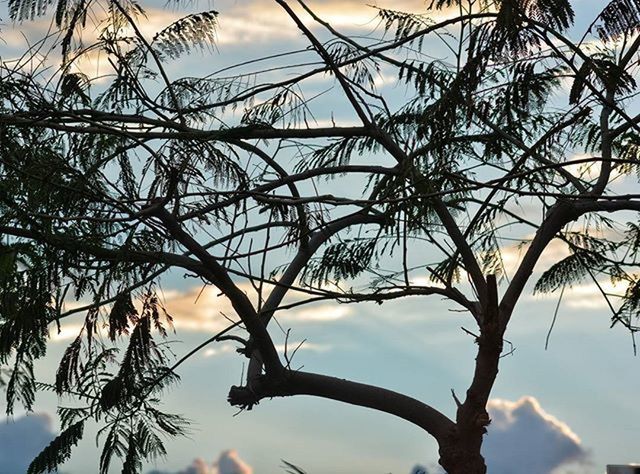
(461, 451)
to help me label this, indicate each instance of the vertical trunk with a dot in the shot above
(460, 452)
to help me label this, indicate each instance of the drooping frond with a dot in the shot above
(20, 10)
(286, 107)
(603, 72)
(195, 31)
(568, 271)
(73, 87)
(360, 71)
(629, 151)
(618, 18)
(404, 25)
(69, 368)
(292, 468)
(58, 451)
(337, 153)
(630, 308)
(556, 13)
(341, 261)
(633, 237)
(25, 310)
(512, 32)
(122, 314)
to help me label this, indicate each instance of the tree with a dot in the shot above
(223, 177)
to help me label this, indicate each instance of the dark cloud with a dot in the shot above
(524, 439)
(21, 439)
(418, 469)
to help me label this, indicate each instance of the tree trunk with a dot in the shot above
(455, 460)
(460, 451)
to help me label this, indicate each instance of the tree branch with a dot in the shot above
(218, 275)
(303, 383)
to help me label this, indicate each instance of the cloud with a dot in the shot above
(318, 313)
(21, 440)
(269, 20)
(198, 309)
(228, 463)
(205, 310)
(292, 346)
(524, 439)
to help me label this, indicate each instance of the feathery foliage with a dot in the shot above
(58, 451)
(110, 180)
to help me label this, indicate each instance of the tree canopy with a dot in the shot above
(523, 129)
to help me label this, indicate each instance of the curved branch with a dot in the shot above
(559, 215)
(304, 383)
(218, 275)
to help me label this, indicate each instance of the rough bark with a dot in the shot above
(460, 451)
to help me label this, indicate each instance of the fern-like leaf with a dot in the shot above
(58, 451)
(618, 18)
(121, 314)
(568, 271)
(192, 31)
(341, 261)
(68, 369)
(292, 468)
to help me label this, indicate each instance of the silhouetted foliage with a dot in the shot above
(521, 133)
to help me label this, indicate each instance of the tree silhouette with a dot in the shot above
(105, 185)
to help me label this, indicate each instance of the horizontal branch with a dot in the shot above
(72, 243)
(303, 383)
(621, 204)
(249, 132)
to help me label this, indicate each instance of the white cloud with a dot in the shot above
(205, 310)
(21, 440)
(512, 255)
(229, 462)
(291, 346)
(302, 346)
(198, 309)
(319, 313)
(524, 439)
(267, 18)
(201, 310)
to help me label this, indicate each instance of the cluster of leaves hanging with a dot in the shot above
(359, 70)
(73, 88)
(588, 257)
(125, 400)
(197, 30)
(525, 92)
(406, 26)
(618, 18)
(26, 307)
(512, 33)
(285, 107)
(58, 450)
(203, 98)
(340, 261)
(603, 73)
(453, 94)
(628, 149)
(338, 152)
(629, 310)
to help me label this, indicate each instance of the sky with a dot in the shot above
(571, 407)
